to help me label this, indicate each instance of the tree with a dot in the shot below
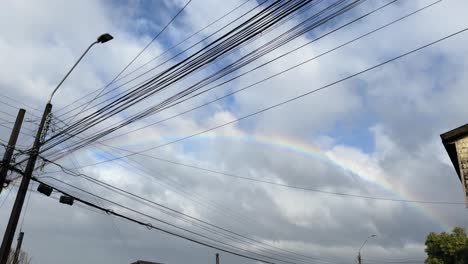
(445, 248)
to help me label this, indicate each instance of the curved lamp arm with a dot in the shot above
(365, 241)
(101, 39)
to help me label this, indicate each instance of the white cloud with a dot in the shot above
(402, 108)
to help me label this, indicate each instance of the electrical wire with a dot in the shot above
(161, 54)
(12, 122)
(134, 59)
(369, 70)
(236, 248)
(265, 79)
(20, 102)
(207, 37)
(282, 55)
(138, 169)
(393, 261)
(127, 192)
(25, 212)
(133, 101)
(306, 188)
(119, 190)
(6, 198)
(150, 226)
(122, 242)
(293, 98)
(179, 189)
(16, 108)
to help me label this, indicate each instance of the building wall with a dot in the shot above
(462, 151)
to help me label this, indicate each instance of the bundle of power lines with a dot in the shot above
(242, 34)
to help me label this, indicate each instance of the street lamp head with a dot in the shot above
(373, 235)
(104, 38)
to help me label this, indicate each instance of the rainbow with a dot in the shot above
(366, 172)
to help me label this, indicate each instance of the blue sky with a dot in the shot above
(383, 125)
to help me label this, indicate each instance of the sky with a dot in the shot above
(374, 135)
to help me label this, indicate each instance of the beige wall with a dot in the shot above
(462, 151)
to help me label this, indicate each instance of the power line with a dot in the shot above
(142, 93)
(9, 128)
(117, 189)
(57, 199)
(167, 50)
(150, 226)
(277, 184)
(25, 212)
(279, 73)
(12, 122)
(5, 143)
(136, 168)
(256, 180)
(393, 261)
(257, 67)
(178, 188)
(16, 108)
(291, 99)
(351, 195)
(205, 38)
(123, 244)
(134, 59)
(8, 114)
(189, 37)
(20, 102)
(420, 261)
(310, 4)
(6, 198)
(107, 186)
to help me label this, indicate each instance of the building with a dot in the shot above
(456, 143)
(145, 262)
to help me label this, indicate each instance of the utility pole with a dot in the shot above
(217, 258)
(21, 195)
(27, 174)
(18, 247)
(359, 251)
(11, 147)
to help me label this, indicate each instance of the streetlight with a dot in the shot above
(19, 201)
(101, 39)
(365, 241)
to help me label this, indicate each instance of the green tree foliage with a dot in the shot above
(445, 248)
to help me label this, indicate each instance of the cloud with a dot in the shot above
(375, 135)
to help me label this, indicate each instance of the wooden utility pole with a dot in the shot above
(217, 258)
(23, 189)
(11, 147)
(18, 248)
